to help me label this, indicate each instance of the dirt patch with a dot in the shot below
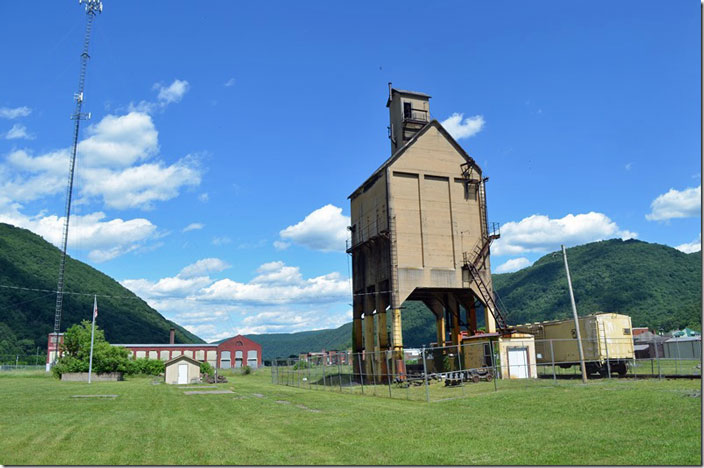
(304, 407)
(283, 402)
(210, 392)
(94, 396)
(258, 395)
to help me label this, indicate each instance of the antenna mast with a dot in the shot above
(93, 7)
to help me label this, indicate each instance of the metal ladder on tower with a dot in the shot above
(481, 250)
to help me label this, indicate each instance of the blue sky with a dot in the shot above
(225, 137)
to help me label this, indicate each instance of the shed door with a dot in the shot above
(518, 363)
(182, 374)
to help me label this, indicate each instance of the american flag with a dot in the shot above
(95, 307)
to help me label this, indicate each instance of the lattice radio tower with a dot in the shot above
(93, 7)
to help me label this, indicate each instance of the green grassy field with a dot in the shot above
(655, 422)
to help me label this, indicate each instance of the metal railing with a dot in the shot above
(415, 115)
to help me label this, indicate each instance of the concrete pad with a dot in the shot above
(94, 396)
(283, 402)
(258, 395)
(211, 392)
(303, 407)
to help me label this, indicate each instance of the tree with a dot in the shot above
(76, 352)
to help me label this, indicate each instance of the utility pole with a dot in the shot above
(576, 319)
(93, 7)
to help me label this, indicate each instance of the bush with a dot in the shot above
(301, 365)
(147, 366)
(246, 370)
(206, 369)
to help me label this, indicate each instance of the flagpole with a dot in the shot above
(92, 334)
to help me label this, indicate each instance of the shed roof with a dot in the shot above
(182, 357)
(399, 152)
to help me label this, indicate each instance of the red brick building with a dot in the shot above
(237, 351)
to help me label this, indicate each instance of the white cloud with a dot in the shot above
(230, 82)
(104, 239)
(193, 227)
(324, 229)
(459, 128)
(628, 166)
(18, 131)
(690, 247)
(119, 140)
(106, 168)
(203, 267)
(676, 204)
(172, 93)
(512, 265)
(539, 233)
(280, 245)
(277, 298)
(222, 240)
(14, 112)
(203, 197)
(140, 186)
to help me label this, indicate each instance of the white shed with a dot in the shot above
(182, 370)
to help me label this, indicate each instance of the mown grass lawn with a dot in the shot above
(604, 422)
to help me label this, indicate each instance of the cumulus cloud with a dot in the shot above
(277, 298)
(203, 267)
(18, 131)
(193, 227)
(539, 233)
(280, 245)
(512, 265)
(104, 239)
(221, 240)
(324, 229)
(166, 94)
(230, 82)
(172, 93)
(110, 168)
(459, 127)
(676, 204)
(14, 112)
(691, 247)
(119, 140)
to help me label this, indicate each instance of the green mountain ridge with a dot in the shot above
(657, 285)
(27, 316)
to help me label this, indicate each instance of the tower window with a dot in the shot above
(407, 110)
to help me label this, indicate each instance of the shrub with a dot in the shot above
(147, 366)
(246, 370)
(206, 369)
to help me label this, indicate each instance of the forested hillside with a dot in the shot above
(27, 317)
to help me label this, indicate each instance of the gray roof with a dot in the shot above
(406, 92)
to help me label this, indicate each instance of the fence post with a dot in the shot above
(17, 360)
(388, 377)
(361, 376)
(339, 372)
(373, 353)
(658, 359)
(459, 364)
(324, 382)
(608, 362)
(425, 377)
(405, 370)
(493, 363)
(552, 358)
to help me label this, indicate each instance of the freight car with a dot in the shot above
(606, 340)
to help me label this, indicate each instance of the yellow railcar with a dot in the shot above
(606, 340)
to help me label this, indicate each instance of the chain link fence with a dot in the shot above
(457, 371)
(19, 361)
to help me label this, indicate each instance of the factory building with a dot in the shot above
(234, 352)
(419, 231)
